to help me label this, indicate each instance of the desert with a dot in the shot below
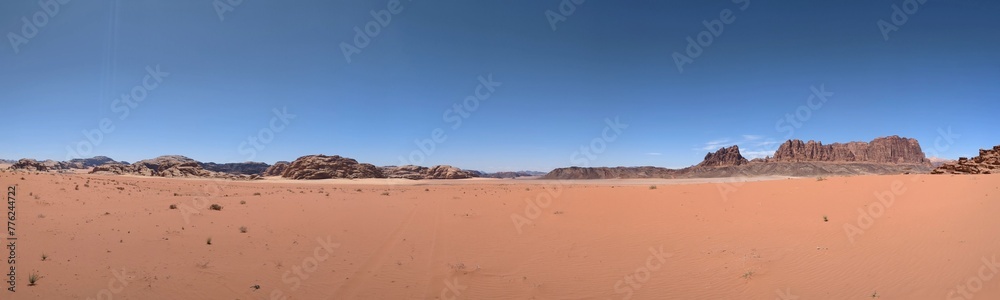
(549, 150)
(914, 236)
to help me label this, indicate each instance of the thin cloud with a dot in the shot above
(751, 137)
(654, 153)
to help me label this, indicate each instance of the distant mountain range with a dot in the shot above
(884, 155)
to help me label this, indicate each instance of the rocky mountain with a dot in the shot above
(276, 169)
(509, 174)
(244, 168)
(324, 167)
(726, 156)
(988, 162)
(418, 172)
(166, 166)
(892, 149)
(886, 155)
(28, 164)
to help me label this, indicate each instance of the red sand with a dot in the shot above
(459, 239)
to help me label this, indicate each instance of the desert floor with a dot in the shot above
(884, 237)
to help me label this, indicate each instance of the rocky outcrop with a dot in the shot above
(28, 164)
(324, 167)
(244, 168)
(892, 149)
(166, 166)
(87, 163)
(435, 172)
(510, 174)
(988, 162)
(611, 173)
(886, 155)
(447, 172)
(727, 156)
(277, 169)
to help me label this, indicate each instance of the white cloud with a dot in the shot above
(654, 153)
(751, 137)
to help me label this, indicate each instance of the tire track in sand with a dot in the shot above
(365, 273)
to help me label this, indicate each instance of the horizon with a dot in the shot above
(510, 86)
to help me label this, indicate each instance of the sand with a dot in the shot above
(929, 237)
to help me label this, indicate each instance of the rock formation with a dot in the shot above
(165, 166)
(435, 172)
(892, 149)
(723, 158)
(28, 164)
(245, 168)
(276, 169)
(885, 155)
(324, 167)
(988, 162)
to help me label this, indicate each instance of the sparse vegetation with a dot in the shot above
(243, 202)
(45, 256)
(821, 178)
(173, 206)
(215, 207)
(558, 212)
(243, 229)
(652, 187)
(385, 193)
(256, 194)
(208, 241)
(748, 274)
(825, 219)
(33, 279)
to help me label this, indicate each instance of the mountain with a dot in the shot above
(51, 165)
(884, 155)
(244, 168)
(891, 149)
(166, 166)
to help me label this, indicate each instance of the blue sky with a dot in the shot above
(222, 78)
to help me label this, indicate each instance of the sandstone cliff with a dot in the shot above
(892, 149)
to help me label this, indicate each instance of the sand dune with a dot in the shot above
(116, 236)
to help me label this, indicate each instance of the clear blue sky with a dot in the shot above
(606, 59)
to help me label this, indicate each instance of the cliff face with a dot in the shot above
(723, 158)
(892, 149)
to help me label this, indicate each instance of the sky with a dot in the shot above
(492, 85)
